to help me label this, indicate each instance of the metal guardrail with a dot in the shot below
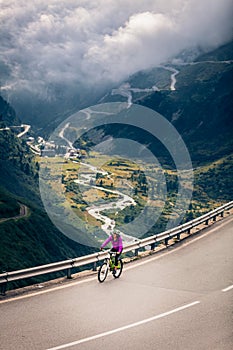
(96, 257)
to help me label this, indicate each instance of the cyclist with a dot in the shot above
(117, 245)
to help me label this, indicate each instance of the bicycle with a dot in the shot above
(109, 265)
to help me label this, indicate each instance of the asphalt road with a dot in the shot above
(182, 299)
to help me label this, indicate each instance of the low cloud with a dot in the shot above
(99, 42)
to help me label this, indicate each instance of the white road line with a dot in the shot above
(101, 335)
(48, 290)
(227, 289)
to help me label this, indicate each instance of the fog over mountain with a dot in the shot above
(81, 44)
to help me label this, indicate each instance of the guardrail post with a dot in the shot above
(178, 236)
(166, 241)
(136, 252)
(94, 266)
(69, 270)
(3, 285)
(153, 245)
(222, 214)
(214, 218)
(3, 288)
(207, 222)
(189, 231)
(69, 275)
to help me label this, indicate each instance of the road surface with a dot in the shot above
(182, 299)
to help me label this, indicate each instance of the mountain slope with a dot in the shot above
(201, 107)
(32, 239)
(7, 114)
(195, 96)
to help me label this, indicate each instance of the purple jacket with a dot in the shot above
(115, 244)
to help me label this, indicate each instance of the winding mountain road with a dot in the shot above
(25, 131)
(181, 299)
(126, 90)
(85, 179)
(95, 210)
(23, 212)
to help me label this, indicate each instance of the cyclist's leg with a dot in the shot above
(114, 250)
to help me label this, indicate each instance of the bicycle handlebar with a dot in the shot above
(109, 251)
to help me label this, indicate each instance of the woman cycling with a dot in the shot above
(117, 245)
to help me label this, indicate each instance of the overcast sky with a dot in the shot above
(96, 41)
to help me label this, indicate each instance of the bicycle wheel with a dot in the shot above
(117, 273)
(102, 273)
